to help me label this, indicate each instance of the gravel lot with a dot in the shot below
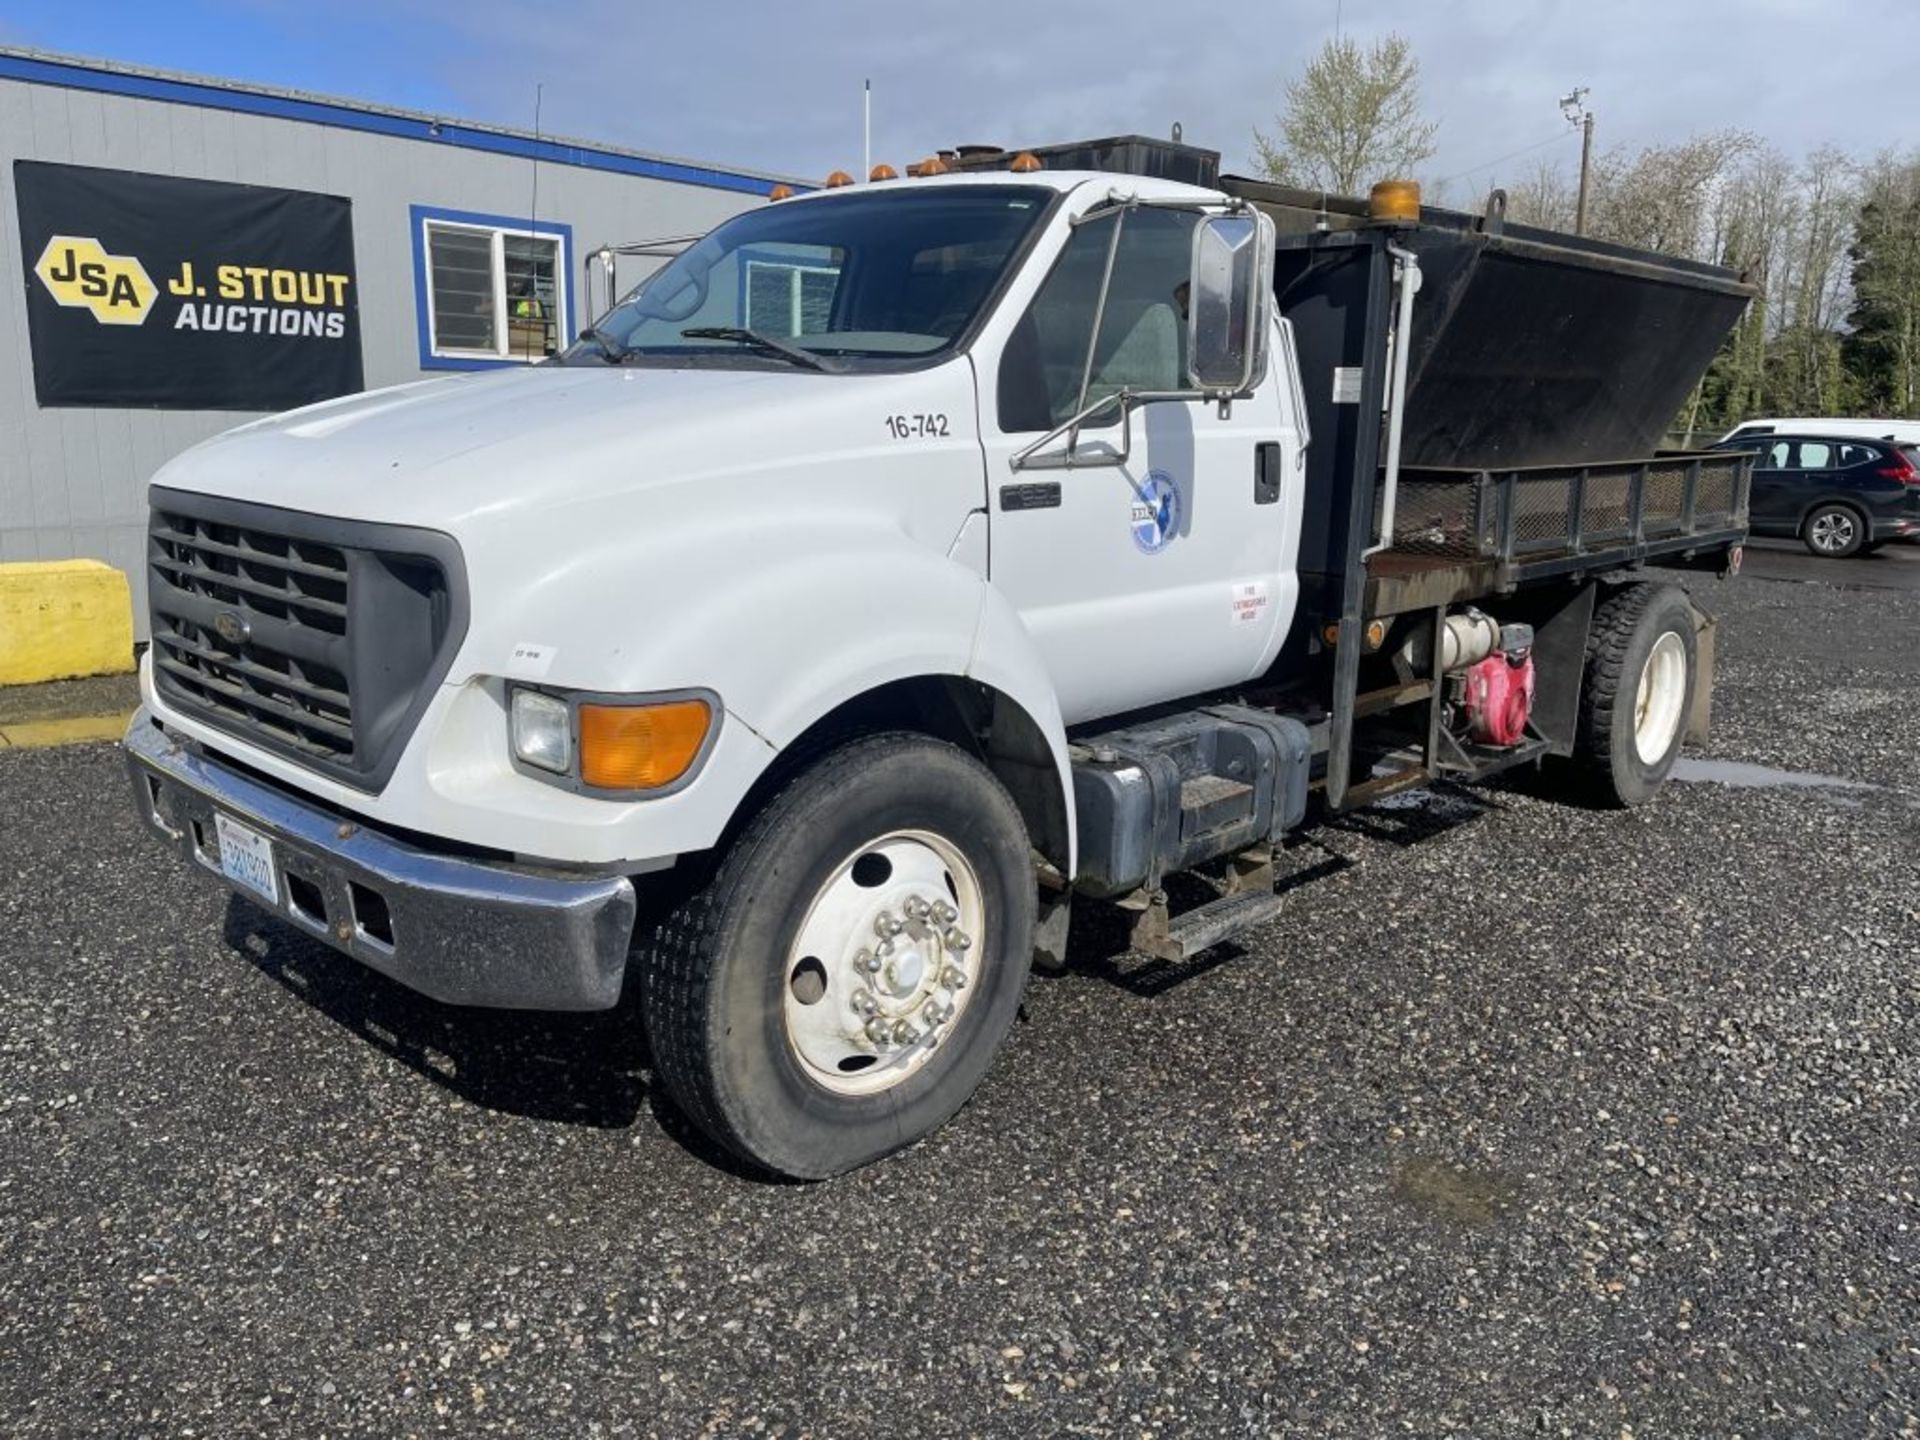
(1524, 1119)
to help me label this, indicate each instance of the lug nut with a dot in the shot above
(868, 961)
(916, 908)
(878, 1031)
(902, 1033)
(885, 926)
(956, 938)
(953, 977)
(944, 914)
(863, 1004)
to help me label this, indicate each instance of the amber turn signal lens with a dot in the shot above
(780, 192)
(837, 179)
(1025, 163)
(641, 747)
(883, 172)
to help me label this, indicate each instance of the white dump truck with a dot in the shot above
(907, 563)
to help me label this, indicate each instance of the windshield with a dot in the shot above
(876, 275)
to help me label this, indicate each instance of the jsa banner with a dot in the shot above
(147, 290)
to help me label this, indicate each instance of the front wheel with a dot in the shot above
(840, 984)
(1834, 532)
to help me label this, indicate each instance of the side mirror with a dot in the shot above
(1229, 294)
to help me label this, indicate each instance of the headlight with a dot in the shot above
(543, 730)
(613, 745)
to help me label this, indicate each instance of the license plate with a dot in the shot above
(246, 858)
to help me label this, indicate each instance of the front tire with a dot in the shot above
(1834, 532)
(840, 984)
(1642, 658)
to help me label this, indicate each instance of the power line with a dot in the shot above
(1514, 155)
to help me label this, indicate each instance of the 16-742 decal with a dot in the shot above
(917, 427)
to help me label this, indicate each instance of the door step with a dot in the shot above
(1183, 936)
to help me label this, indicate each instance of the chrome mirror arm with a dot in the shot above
(1030, 458)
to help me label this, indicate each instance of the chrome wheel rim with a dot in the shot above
(884, 962)
(1658, 701)
(1833, 531)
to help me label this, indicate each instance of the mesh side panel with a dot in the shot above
(1540, 508)
(1666, 499)
(1458, 514)
(1441, 517)
(1713, 502)
(1606, 511)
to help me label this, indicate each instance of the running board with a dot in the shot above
(1185, 935)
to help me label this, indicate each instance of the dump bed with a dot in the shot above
(1530, 347)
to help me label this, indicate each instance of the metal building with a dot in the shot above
(190, 252)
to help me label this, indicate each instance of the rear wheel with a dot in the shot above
(1834, 532)
(1635, 696)
(839, 986)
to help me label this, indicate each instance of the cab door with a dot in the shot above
(1169, 574)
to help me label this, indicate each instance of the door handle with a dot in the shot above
(1266, 472)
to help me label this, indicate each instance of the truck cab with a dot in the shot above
(896, 563)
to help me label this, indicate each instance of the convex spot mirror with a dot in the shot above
(1229, 295)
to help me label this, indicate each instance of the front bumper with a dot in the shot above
(464, 931)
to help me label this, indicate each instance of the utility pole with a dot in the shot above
(1572, 105)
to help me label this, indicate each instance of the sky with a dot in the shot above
(777, 87)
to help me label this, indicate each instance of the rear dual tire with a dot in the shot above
(1635, 698)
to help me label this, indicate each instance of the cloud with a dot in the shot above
(778, 87)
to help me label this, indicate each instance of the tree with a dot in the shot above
(1882, 350)
(1353, 117)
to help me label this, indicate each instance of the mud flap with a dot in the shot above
(1699, 719)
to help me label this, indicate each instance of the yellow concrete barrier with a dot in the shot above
(75, 730)
(61, 618)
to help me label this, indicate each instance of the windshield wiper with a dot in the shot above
(611, 350)
(771, 344)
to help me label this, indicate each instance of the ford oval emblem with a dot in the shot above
(231, 626)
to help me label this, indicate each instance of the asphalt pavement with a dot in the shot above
(1522, 1119)
(1892, 567)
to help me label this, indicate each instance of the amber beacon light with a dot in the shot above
(641, 747)
(1395, 201)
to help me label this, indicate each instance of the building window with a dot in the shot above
(790, 290)
(492, 291)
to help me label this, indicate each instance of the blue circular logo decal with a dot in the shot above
(1156, 512)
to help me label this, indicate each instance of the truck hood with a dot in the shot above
(444, 453)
